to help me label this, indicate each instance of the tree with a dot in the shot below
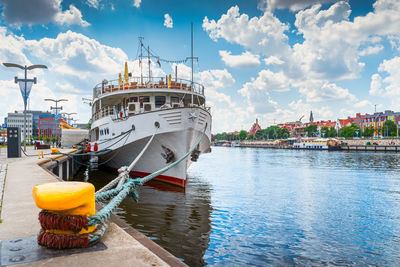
(89, 125)
(324, 131)
(332, 132)
(250, 137)
(259, 135)
(350, 131)
(368, 131)
(242, 135)
(389, 128)
(311, 130)
(281, 133)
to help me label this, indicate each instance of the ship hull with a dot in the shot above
(179, 130)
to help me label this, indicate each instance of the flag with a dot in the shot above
(158, 62)
(25, 93)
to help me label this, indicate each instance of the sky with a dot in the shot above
(275, 60)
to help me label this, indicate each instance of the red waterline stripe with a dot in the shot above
(163, 178)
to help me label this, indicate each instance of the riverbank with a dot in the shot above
(392, 145)
(19, 214)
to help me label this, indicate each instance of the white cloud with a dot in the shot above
(376, 85)
(11, 48)
(93, 3)
(168, 21)
(363, 104)
(330, 49)
(264, 34)
(257, 90)
(31, 12)
(289, 4)
(71, 16)
(77, 55)
(390, 85)
(273, 60)
(318, 91)
(245, 60)
(136, 3)
(370, 50)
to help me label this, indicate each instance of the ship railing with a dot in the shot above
(109, 111)
(107, 87)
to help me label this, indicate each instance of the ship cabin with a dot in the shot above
(132, 96)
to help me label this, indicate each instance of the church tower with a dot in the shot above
(311, 117)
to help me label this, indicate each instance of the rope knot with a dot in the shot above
(123, 169)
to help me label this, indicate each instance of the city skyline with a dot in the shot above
(274, 60)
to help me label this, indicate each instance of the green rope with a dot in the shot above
(117, 195)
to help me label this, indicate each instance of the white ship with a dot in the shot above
(126, 112)
(316, 144)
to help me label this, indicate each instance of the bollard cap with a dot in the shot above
(62, 196)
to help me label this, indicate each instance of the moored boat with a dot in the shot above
(127, 111)
(316, 144)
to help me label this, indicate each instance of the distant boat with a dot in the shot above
(235, 144)
(317, 144)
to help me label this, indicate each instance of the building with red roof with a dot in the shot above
(357, 120)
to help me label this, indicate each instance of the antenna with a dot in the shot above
(141, 58)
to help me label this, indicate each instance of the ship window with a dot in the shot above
(133, 99)
(159, 101)
(174, 99)
(145, 99)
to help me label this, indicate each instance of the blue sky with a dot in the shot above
(274, 60)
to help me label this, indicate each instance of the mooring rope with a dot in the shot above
(124, 171)
(117, 195)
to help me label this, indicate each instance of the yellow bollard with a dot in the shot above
(65, 208)
(40, 155)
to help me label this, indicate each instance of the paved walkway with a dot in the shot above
(20, 219)
(3, 172)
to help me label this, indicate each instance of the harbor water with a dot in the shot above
(260, 207)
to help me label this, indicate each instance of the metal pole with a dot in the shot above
(141, 59)
(26, 70)
(192, 57)
(56, 119)
(148, 58)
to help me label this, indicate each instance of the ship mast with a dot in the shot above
(192, 57)
(148, 57)
(140, 59)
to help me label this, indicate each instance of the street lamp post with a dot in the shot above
(56, 107)
(68, 116)
(25, 80)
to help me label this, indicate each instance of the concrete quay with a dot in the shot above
(125, 245)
